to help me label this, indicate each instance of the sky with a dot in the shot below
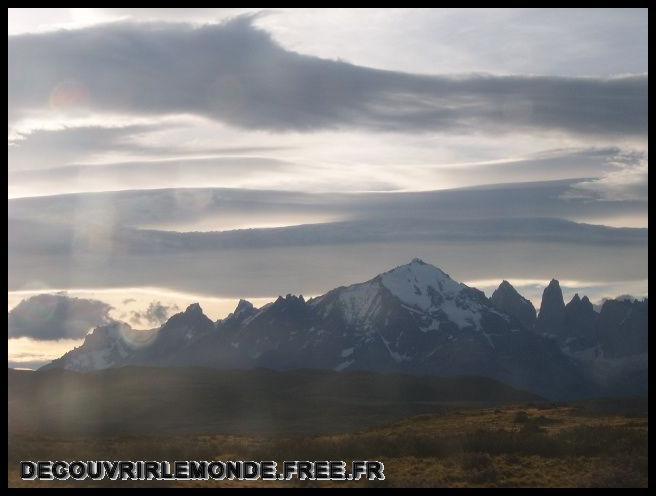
(339, 142)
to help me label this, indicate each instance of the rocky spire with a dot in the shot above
(508, 300)
(551, 319)
(580, 320)
(194, 309)
(243, 306)
(192, 318)
(243, 310)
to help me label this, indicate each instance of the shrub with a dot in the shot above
(521, 417)
(485, 476)
(531, 428)
(476, 461)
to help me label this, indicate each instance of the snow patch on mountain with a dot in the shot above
(397, 357)
(434, 326)
(462, 313)
(360, 302)
(344, 365)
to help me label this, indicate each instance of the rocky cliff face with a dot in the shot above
(580, 324)
(623, 328)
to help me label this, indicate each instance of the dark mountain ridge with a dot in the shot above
(413, 319)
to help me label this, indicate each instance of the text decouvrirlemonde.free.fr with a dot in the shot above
(202, 470)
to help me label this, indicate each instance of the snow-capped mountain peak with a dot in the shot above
(421, 285)
(418, 288)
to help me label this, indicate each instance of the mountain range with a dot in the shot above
(413, 319)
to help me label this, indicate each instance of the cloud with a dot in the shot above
(507, 226)
(156, 314)
(32, 151)
(184, 208)
(86, 240)
(529, 41)
(311, 269)
(151, 174)
(548, 165)
(252, 172)
(628, 182)
(56, 316)
(45, 148)
(236, 74)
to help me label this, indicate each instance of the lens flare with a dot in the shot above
(69, 95)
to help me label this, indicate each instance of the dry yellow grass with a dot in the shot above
(516, 446)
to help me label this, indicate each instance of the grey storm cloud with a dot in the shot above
(56, 316)
(235, 73)
(156, 314)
